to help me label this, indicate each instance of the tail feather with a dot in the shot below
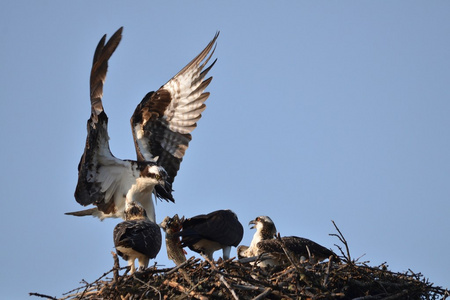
(81, 213)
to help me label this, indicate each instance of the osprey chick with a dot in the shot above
(137, 237)
(264, 242)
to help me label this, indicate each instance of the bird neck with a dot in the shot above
(144, 197)
(257, 237)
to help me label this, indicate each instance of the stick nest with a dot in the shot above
(234, 279)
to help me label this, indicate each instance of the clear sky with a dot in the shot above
(319, 111)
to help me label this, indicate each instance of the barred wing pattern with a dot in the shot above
(162, 123)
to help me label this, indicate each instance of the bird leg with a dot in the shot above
(131, 265)
(226, 252)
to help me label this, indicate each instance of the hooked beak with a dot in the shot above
(253, 223)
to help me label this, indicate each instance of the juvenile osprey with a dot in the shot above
(137, 237)
(206, 234)
(264, 242)
(161, 127)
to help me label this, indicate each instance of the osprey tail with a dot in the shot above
(87, 212)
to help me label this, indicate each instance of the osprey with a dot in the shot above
(264, 242)
(161, 126)
(137, 237)
(208, 233)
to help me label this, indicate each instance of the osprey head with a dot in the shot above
(155, 172)
(265, 226)
(134, 211)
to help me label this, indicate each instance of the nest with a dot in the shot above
(241, 279)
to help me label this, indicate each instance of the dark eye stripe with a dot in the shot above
(153, 175)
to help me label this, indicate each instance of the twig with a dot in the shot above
(183, 289)
(248, 287)
(116, 267)
(327, 273)
(187, 262)
(263, 294)
(342, 239)
(148, 287)
(42, 296)
(229, 287)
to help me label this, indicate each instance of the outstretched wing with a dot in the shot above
(164, 119)
(102, 179)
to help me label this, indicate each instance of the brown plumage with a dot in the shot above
(161, 125)
(137, 237)
(264, 242)
(208, 233)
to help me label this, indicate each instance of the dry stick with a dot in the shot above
(183, 289)
(42, 296)
(183, 271)
(327, 274)
(186, 277)
(263, 294)
(214, 267)
(116, 267)
(342, 239)
(148, 286)
(249, 287)
(89, 285)
(198, 283)
(187, 262)
(229, 287)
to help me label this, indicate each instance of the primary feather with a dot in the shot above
(161, 126)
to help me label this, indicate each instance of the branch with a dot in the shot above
(42, 296)
(342, 239)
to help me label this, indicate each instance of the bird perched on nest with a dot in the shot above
(161, 125)
(172, 227)
(137, 237)
(208, 233)
(264, 242)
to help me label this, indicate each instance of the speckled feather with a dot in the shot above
(297, 245)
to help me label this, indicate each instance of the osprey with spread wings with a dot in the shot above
(161, 124)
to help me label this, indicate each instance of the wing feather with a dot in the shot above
(162, 123)
(142, 236)
(103, 179)
(220, 226)
(298, 246)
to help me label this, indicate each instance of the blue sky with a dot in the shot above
(319, 111)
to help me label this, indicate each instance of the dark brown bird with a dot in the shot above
(208, 233)
(137, 237)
